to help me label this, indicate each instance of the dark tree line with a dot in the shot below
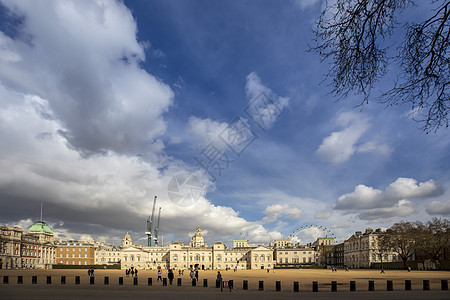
(418, 240)
(356, 34)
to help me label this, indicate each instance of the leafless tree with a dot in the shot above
(355, 35)
(401, 239)
(436, 237)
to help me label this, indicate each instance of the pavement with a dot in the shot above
(87, 292)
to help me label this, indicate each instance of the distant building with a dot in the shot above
(361, 250)
(32, 250)
(75, 253)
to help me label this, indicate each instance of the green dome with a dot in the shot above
(39, 227)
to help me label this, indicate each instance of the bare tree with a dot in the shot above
(401, 239)
(355, 34)
(436, 237)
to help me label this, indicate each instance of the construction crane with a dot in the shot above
(157, 228)
(150, 225)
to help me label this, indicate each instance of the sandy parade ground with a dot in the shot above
(13, 290)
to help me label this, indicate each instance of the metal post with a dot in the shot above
(389, 285)
(296, 287)
(407, 285)
(334, 286)
(426, 285)
(315, 286)
(352, 286)
(371, 285)
(444, 285)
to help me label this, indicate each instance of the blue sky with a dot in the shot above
(103, 103)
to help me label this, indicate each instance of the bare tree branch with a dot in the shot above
(353, 34)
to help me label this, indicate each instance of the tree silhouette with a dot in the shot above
(355, 35)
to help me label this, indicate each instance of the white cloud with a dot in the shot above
(205, 131)
(265, 107)
(402, 208)
(339, 146)
(304, 4)
(83, 58)
(45, 168)
(439, 208)
(275, 211)
(71, 84)
(373, 203)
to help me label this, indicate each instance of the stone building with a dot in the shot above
(361, 250)
(10, 245)
(78, 253)
(196, 254)
(32, 250)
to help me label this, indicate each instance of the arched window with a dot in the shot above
(262, 258)
(175, 257)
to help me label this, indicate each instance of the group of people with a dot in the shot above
(133, 271)
(194, 274)
(91, 271)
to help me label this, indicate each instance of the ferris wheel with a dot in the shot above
(311, 231)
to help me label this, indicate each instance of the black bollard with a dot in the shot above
(261, 285)
(407, 285)
(33, 279)
(194, 282)
(106, 280)
(334, 286)
(245, 285)
(296, 287)
(19, 279)
(426, 285)
(135, 281)
(63, 279)
(120, 280)
(77, 280)
(231, 284)
(5, 279)
(49, 279)
(164, 281)
(352, 286)
(92, 280)
(389, 285)
(444, 285)
(217, 283)
(371, 285)
(205, 282)
(179, 281)
(315, 286)
(278, 286)
(150, 281)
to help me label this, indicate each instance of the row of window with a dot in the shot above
(73, 262)
(73, 255)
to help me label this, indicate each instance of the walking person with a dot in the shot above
(135, 272)
(219, 279)
(132, 272)
(382, 270)
(170, 275)
(159, 275)
(196, 274)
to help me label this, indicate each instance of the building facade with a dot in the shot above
(361, 250)
(32, 250)
(75, 253)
